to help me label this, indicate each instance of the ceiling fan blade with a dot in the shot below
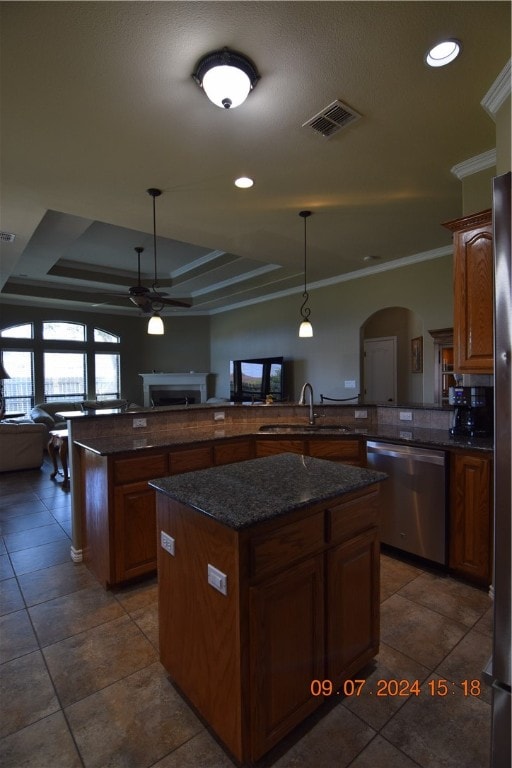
(173, 302)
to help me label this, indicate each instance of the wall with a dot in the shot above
(337, 314)
(184, 346)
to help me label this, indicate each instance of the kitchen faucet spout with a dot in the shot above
(302, 400)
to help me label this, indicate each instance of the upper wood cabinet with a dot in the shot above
(473, 288)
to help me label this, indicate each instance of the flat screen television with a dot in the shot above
(252, 380)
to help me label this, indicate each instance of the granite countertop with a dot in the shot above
(174, 437)
(242, 494)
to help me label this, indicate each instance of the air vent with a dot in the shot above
(332, 119)
(6, 237)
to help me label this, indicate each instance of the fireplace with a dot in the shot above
(174, 388)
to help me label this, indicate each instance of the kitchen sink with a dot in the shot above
(298, 428)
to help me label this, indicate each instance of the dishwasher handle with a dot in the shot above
(396, 451)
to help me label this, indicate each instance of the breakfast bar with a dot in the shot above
(268, 581)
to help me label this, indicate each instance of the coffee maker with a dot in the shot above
(473, 411)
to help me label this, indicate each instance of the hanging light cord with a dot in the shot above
(154, 194)
(304, 310)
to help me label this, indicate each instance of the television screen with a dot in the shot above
(253, 380)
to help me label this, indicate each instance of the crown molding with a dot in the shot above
(498, 91)
(475, 164)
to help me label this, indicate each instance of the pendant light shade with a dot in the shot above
(305, 329)
(156, 325)
(226, 77)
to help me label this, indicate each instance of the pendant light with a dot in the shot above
(155, 324)
(305, 329)
(226, 77)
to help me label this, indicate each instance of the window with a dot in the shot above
(19, 389)
(65, 376)
(55, 360)
(107, 375)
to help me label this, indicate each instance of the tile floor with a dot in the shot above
(81, 684)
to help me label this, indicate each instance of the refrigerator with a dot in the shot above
(501, 652)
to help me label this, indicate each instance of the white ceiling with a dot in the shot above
(98, 104)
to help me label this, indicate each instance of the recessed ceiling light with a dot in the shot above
(443, 53)
(244, 182)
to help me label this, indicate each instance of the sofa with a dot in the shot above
(21, 445)
(46, 413)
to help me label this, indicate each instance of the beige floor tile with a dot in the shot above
(485, 624)
(394, 574)
(11, 598)
(37, 558)
(383, 693)
(27, 703)
(70, 614)
(45, 744)
(334, 741)
(16, 636)
(56, 581)
(147, 619)
(132, 723)
(34, 537)
(467, 661)
(420, 633)
(200, 752)
(138, 595)
(6, 569)
(430, 729)
(24, 522)
(452, 598)
(92, 660)
(381, 754)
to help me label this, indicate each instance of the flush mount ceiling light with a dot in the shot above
(226, 77)
(244, 182)
(443, 53)
(305, 329)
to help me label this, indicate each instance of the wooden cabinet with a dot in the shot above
(473, 293)
(471, 517)
(301, 604)
(119, 518)
(346, 450)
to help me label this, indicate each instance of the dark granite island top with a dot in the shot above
(268, 579)
(242, 494)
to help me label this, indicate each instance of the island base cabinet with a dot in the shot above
(353, 618)
(245, 647)
(287, 650)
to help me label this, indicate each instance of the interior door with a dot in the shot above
(379, 370)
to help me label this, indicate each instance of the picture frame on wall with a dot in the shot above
(417, 355)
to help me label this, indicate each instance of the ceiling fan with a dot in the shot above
(151, 301)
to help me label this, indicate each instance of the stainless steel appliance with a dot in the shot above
(501, 662)
(413, 498)
(473, 411)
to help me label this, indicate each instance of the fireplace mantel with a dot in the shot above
(191, 382)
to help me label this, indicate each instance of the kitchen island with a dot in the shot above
(268, 581)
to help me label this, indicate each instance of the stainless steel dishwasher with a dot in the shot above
(413, 499)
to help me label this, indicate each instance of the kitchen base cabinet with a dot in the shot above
(287, 650)
(471, 517)
(293, 599)
(135, 531)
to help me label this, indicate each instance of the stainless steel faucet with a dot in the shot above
(302, 400)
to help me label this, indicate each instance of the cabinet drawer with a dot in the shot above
(274, 551)
(336, 450)
(228, 453)
(190, 459)
(353, 516)
(140, 468)
(271, 447)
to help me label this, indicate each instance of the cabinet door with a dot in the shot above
(346, 451)
(470, 518)
(272, 447)
(134, 531)
(286, 648)
(236, 450)
(352, 609)
(473, 299)
(190, 459)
